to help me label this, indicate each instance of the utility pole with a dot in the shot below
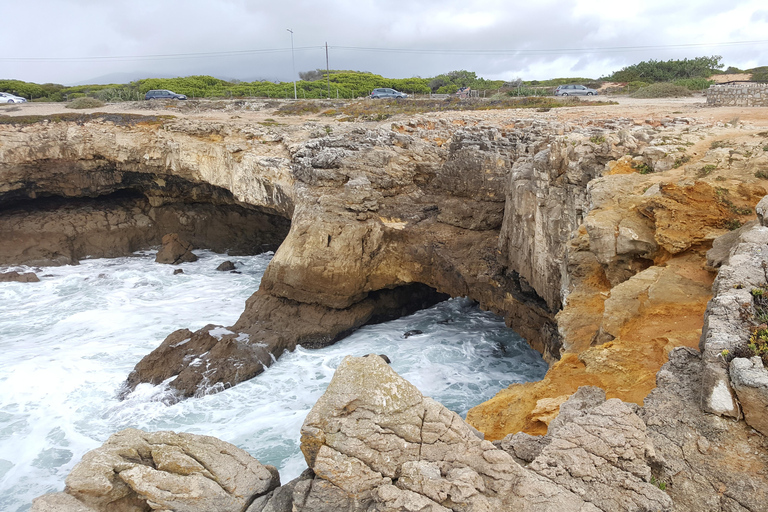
(293, 60)
(327, 70)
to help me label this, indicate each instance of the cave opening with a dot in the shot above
(111, 214)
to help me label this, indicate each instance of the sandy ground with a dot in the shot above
(640, 110)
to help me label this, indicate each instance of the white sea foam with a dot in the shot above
(69, 341)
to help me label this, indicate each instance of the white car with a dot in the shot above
(6, 97)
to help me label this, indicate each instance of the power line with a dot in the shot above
(529, 51)
(412, 51)
(233, 53)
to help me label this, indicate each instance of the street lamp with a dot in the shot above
(293, 60)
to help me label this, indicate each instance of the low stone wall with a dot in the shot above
(738, 95)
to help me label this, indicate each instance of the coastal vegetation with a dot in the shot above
(689, 74)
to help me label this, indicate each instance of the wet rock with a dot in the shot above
(412, 332)
(215, 358)
(136, 471)
(18, 277)
(175, 250)
(226, 266)
(178, 271)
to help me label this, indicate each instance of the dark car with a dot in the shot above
(387, 93)
(574, 90)
(163, 94)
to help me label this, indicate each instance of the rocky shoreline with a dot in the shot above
(590, 239)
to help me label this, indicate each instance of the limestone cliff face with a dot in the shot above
(637, 280)
(532, 219)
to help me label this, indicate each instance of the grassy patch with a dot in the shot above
(380, 109)
(85, 103)
(118, 119)
(661, 90)
(706, 170)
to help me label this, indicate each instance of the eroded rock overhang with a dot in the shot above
(107, 185)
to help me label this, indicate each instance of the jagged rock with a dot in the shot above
(721, 246)
(136, 471)
(375, 443)
(729, 318)
(19, 277)
(178, 271)
(750, 381)
(226, 266)
(175, 250)
(710, 463)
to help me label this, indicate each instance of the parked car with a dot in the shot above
(387, 93)
(163, 94)
(574, 90)
(6, 97)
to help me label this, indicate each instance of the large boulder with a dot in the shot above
(376, 443)
(18, 277)
(175, 250)
(135, 471)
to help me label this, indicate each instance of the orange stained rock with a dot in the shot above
(625, 367)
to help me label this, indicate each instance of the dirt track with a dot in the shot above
(637, 109)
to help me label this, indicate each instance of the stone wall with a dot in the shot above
(738, 95)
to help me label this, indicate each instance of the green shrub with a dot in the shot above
(707, 169)
(661, 90)
(694, 84)
(85, 103)
(667, 71)
(642, 168)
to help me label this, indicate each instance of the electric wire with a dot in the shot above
(412, 51)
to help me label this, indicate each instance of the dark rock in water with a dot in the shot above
(383, 356)
(235, 272)
(412, 332)
(175, 250)
(213, 362)
(225, 266)
(18, 277)
(446, 321)
(177, 271)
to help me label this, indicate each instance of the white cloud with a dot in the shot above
(66, 29)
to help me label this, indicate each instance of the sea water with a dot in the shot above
(68, 342)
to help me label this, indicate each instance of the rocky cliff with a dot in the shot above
(590, 239)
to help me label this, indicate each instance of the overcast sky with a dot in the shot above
(99, 41)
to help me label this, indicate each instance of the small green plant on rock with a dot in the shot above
(718, 144)
(659, 483)
(762, 174)
(597, 139)
(681, 160)
(642, 168)
(706, 170)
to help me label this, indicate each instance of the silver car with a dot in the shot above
(574, 90)
(6, 97)
(387, 93)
